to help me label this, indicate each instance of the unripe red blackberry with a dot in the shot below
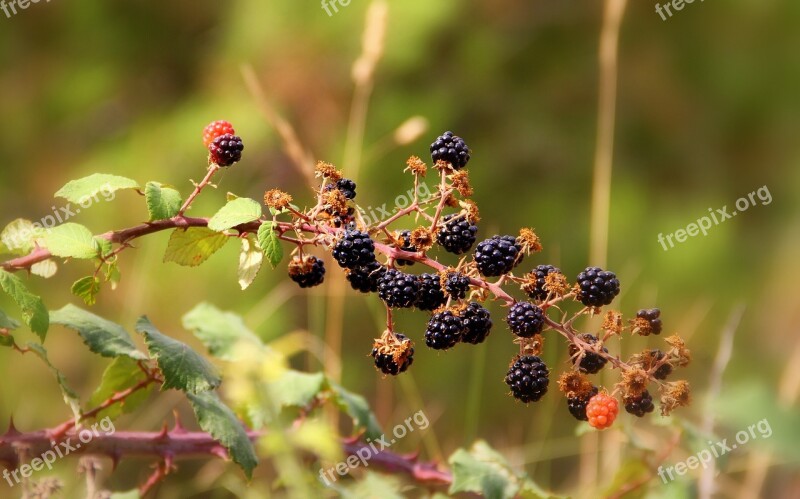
(450, 148)
(652, 316)
(307, 271)
(456, 234)
(398, 289)
(591, 362)
(365, 278)
(444, 330)
(430, 295)
(477, 323)
(354, 249)
(597, 287)
(215, 129)
(528, 378)
(226, 149)
(456, 285)
(639, 405)
(393, 355)
(577, 405)
(525, 319)
(602, 410)
(498, 255)
(404, 237)
(537, 291)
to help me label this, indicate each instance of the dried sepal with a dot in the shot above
(634, 382)
(673, 395)
(416, 166)
(327, 170)
(276, 198)
(460, 181)
(612, 323)
(422, 238)
(529, 241)
(574, 384)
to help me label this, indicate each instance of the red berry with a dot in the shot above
(602, 410)
(215, 129)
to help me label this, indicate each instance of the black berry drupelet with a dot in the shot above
(639, 405)
(365, 278)
(498, 255)
(226, 149)
(477, 323)
(577, 405)
(307, 271)
(404, 237)
(393, 357)
(525, 319)
(665, 370)
(652, 316)
(354, 249)
(452, 149)
(444, 330)
(528, 378)
(598, 287)
(537, 291)
(591, 362)
(347, 187)
(457, 234)
(456, 285)
(398, 289)
(430, 295)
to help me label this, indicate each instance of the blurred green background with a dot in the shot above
(708, 111)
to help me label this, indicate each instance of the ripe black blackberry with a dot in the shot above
(398, 289)
(444, 330)
(404, 236)
(365, 278)
(457, 234)
(652, 316)
(347, 187)
(598, 287)
(456, 284)
(450, 148)
(307, 271)
(536, 290)
(528, 378)
(663, 371)
(226, 149)
(639, 405)
(525, 319)
(477, 323)
(577, 405)
(498, 255)
(591, 362)
(430, 295)
(393, 356)
(354, 249)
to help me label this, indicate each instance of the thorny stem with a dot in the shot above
(198, 188)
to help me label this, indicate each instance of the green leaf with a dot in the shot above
(236, 212)
(375, 485)
(45, 268)
(250, 260)
(193, 246)
(484, 471)
(18, 237)
(357, 408)
(70, 397)
(7, 322)
(123, 373)
(81, 190)
(297, 389)
(219, 331)
(162, 201)
(182, 367)
(218, 420)
(128, 494)
(34, 313)
(270, 244)
(86, 288)
(103, 247)
(102, 336)
(71, 240)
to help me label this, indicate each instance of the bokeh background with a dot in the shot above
(707, 111)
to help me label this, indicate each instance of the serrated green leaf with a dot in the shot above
(236, 212)
(45, 269)
(182, 367)
(270, 244)
(71, 240)
(219, 331)
(81, 190)
(102, 336)
(86, 288)
(70, 397)
(121, 374)
(193, 246)
(162, 201)
(357, 408)
(221, 423)
(484, 471)
(18, 237)
(103, 247)
(250, 260)
(297, 389)
(34, 313)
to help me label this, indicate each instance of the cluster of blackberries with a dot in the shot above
(225, 148)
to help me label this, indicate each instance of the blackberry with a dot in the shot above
(536, 289)
(347, 186)
(639, 406)
(598, 287)
(456, 284)
(528, 378)
(404, 236)
(591, 362)
(444, 330)
(215, 129)
(457, 234)
(652, 316)
(450, 148)
(430, 295)
(398, 289)
(525, 319)
(354, 249)
(365, 278)
(307, 271)
(602, 410)
(226, 149)
(498, 255)
(577, 405)
(477, 323)
(663, 371)
(394, 356)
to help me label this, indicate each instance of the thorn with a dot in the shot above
(220, 452)
(178, 427)
(412, 457)
(12, 430)
(164, 433)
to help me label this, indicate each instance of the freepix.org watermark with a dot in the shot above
(366, 453)
(9, 7)
(331, 7)
(377, 214)
(715, 217)
(668, 7)
(59, 450)
(715, 450)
